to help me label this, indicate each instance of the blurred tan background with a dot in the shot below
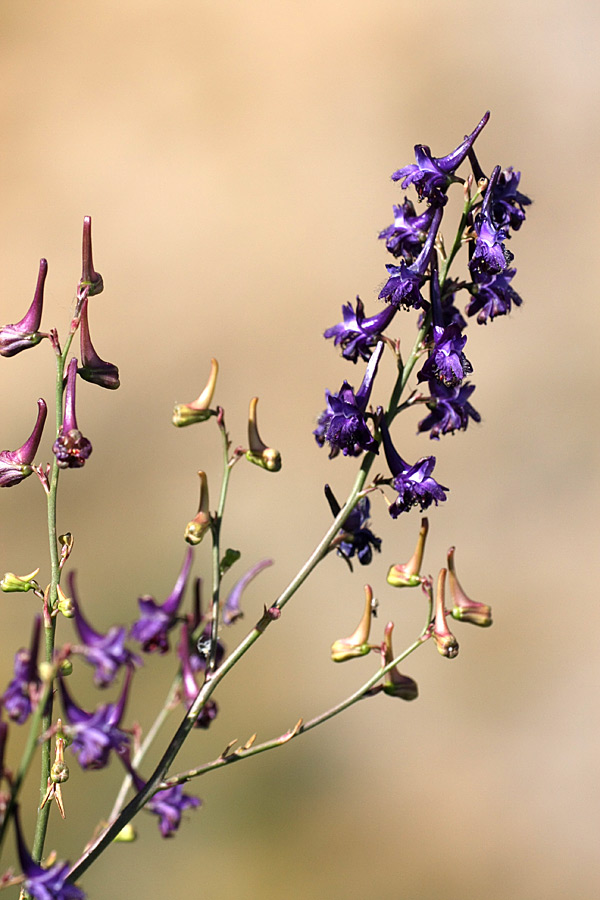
(235, 158)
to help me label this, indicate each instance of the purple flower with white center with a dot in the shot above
(450, 409)
(432, 176)
(414, 483)
(231, 607)
(40, 883)
(152, 629)
(95, 734)
(24, 334)
(71, 448)
(192, 662)
(490, 254)
(357, 335)
(15, 465)
(508, 201)
(22, 692)
(492, 295)
(403, 288)
(343, 423)
(446, 361)
(355, 537)
(106, 652)
(406, 235)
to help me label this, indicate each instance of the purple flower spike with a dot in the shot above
(94, 369)
(90, 279)
(492, 295)
(40, 883)
(24, 334)
(357, 335)
(403, 288)
(343, 423)
(432, 176)
(21, 693)
(15, 465)
(450, 410)
(71, 448)
(95, 734)
(106, 652)
(490, 254)
(414, 484)
(231, 607)
(152, 628)
(407, 234)
(446, 361)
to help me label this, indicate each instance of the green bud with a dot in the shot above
(12, 582)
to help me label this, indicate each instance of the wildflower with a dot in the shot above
(199, 410)
(450, 409)
(492, 295)
(106, 652)
(357, 335)
(23, 691)
(394, 683)
(414, 483)
(407, 574)
(15, 465)
(490, 254)
(343, 423)
(71, 448)
(445, 641)
(355, 537)
(463, 608)
(24, 334)
(508, 201)
(258, 453)
(94, 369)
(446, 362)
(431, 175)
(40, 883)
(403, 288)
(231, 607)
(358, 642)
(152, 629)
(407, 234)
(168, 804)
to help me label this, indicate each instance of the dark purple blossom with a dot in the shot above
(355, 537)
(492, 295)
(414, 483)
(106, 652)
(431, 175)
(152, 628)
(357, 335)
(231, 607)
(24, 334)
(92, 368)
(490, 254)
(343, 423)
(22, 692)
(168, 805)
(406, 235)
(508, 201)
(15, 465)
(71, 448)
(95, 734)
(450, 409)
(446, 361)
(403, 287)
(40, 883)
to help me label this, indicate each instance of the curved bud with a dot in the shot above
(65, 604)
(258, 453)
(394, 683)
(443, 637)
(11, 583)
(94, 369)
(24, 334)
(71, 448)
(89, 277)
(463, 608)
(199, 410)
(15, 465)
(407, 575)
(197, 528)
(357, 644)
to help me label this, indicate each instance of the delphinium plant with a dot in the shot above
(42, 695)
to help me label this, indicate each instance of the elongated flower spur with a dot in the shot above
(71, 448)
(25, 334)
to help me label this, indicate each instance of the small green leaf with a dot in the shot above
(231, 557)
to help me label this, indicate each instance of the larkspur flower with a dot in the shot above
(24, 334)
(450, 409)
(22, 691)
(355, 537)
(490, 254)
(71, 448)
(403, 287)
(106, 652)
(431, 175)
(343, 423)
(15, 465)
(406, 235)
(492, 295)
(167, 804)
(94, 369)
(446, 361)
(41, 883)
(414, 484)
(152, 628)
(357, 335)
(508, 201)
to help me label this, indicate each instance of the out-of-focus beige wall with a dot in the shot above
(235, 158)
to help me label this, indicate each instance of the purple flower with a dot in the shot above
(95, 734)
(106, 652)
(414, 484)
(432, 176)
(94, 369)
(15, 465)
(71, 448)
(231, 607)
(355, 537)
(490, 254)
(152, 629)
(343, 423)
(492, 295)
(446, 361)
(356, 335)
(24, 334)
(403, 288)
(450, 409)
(21, 693)
(407, 234)
(168, 805)
(40, 883)
(508, 201)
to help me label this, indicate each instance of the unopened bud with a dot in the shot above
(66, 667)
(64, 605)
(90, 279)
(126, 835)
(59, 773)
(199, 410)
(197, 528)
(12, 582)
(357, 644)
(407, 574)
(443, 637)
(463, 608)
(394, 683)
(258, 453)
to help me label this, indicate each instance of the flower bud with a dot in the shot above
(407, 574)
(443, 637)
(197, 528)
(199, 410)
(71, 448)
(357, 644)
(463, 608)
(126, 835)
(90, 279)
(15, 465)
(65, 605)
(94, 369)
(24, 334)
(258, 453)
(11, 582)
(394, 683)
(66, 668)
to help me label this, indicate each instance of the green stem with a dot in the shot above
(216, 551)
